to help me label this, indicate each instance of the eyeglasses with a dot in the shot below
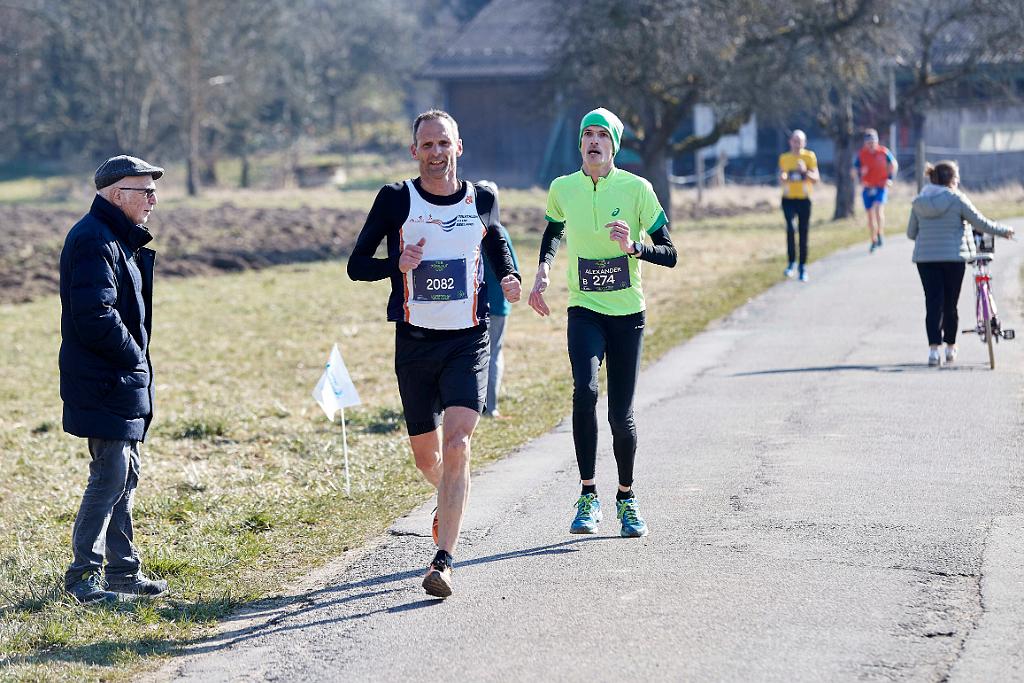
(150, 191)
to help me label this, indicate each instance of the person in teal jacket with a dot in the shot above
(499, 308)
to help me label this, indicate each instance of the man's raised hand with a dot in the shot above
(411, 256)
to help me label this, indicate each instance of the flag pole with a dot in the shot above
(344, 448)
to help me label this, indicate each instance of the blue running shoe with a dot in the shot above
(588, 514)
(633, 525)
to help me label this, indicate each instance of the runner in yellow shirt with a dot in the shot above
(604, 213)
(798, 171)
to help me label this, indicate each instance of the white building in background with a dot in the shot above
(741, 144)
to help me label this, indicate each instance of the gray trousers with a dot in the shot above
(496, 328)
(103, 527)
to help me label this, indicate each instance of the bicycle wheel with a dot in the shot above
(991, 343)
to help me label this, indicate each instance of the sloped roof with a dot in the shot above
(956, 48)
(506, 38)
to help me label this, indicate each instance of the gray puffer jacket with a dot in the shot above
(939, 220)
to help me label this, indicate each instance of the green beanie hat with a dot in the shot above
(607, 120)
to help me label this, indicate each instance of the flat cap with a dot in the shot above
(122, 166)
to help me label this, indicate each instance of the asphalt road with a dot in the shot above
(823, 506)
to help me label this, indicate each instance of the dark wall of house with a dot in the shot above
(511, 132)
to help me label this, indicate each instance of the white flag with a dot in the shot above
(335, 390)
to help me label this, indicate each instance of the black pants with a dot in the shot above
(593, 337)
(103, 529)
(800, 210)
(941, 282)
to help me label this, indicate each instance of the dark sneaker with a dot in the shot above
(137, 584)
(633, 525)
(588, 515)
(438, 580)
(89, 589)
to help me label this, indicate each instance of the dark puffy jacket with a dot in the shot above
(106, 297)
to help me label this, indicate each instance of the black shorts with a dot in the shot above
(437, 369)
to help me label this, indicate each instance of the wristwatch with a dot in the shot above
(636, 249)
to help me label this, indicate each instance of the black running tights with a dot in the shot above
(798, 211)
(594, 337)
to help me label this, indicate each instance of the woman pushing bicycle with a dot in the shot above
(604, 213)
(944, 243)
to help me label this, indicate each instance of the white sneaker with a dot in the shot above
(934, 360)
(790, 272)
(950, 354)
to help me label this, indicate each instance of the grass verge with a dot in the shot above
(242, 476)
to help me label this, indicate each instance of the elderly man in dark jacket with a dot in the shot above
(106, 378)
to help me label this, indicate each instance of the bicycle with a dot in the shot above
(989, 328)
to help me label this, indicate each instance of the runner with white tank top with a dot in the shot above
(437, 230)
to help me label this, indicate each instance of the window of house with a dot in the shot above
(992, 137)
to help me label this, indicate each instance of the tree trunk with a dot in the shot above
(843, 138)
(244, 180)
(845, 187)
(655, 170)
(191, 176)
(208, 172)
(194, 97)
(920, 154)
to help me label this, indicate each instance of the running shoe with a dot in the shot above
(933, 358)
(790, 271)
(434, 527)
(633, 525)
(89, 588)
(874, 245)
(438, 579)
(137, 584)
(588, 515)
(950, 354)
(879, 241)
(803, 274)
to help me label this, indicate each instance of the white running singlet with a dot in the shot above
(441, 293)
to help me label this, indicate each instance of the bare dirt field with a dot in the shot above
(191, 241)
(227, 238)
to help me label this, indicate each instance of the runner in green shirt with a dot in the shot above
(604, 213)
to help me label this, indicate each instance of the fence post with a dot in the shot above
(699, 170)
(723, 159)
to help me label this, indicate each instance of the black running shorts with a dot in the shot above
(437, 369)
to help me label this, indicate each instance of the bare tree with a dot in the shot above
(840, 75)
(195, 80)
(944, 43)
(655, 60)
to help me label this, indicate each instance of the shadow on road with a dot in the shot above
(277, 611)
(899, 367)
